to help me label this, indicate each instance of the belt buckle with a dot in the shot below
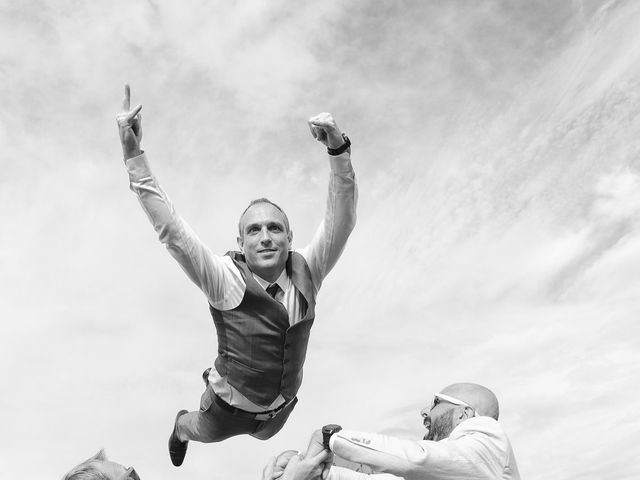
(268, 415)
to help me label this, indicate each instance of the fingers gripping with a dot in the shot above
(312, 130)
(323, 119)
(322, 126)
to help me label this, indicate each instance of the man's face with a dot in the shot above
(265, 240)
(439, 420)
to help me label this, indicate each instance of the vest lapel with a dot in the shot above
(298, 272)
(300, 275)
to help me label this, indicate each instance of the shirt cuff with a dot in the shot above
(341, 163)
(138, 167)
(332, 440)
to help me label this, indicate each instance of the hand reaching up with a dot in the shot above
(130, 126)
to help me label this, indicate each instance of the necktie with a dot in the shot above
(273, 290)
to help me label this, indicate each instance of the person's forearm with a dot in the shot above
(341, 205)
(203, 268)
(155, 202)
(382, 453)
(339, 473)
(339, 219)
(410, 459)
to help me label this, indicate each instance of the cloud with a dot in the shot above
(496, 153)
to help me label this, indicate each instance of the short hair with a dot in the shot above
(263, 200)
(88, 470)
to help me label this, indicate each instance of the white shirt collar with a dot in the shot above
(282, 281)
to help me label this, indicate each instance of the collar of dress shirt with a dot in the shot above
(282, 281)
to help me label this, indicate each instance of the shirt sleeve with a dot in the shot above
(339, 219)
(382, 453)
(216, 276)
(340, 473)
(470, 456)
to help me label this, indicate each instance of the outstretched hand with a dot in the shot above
(324, 129)
(129, 126)
(316, 449)
(275, 468)
(315, 464)
(306, 468)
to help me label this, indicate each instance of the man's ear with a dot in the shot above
(240, 244)
(290, 237)
(467, 412)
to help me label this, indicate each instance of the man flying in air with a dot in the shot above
(261, 297)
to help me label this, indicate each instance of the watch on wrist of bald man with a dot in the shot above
(327, 432)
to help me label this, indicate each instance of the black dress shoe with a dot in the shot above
(177, 449)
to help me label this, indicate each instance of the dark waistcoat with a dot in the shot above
(258, 352)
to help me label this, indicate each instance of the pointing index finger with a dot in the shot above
(126, 102)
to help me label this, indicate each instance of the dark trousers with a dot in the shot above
(213, 424)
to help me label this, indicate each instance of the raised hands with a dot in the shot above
(290, 465)
(316, 450)
(307, 468)
(130, 126)
(275, 468)
(324, 129)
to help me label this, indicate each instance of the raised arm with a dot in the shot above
(208, 271)
(340, 211)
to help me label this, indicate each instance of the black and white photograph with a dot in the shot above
(337, 240)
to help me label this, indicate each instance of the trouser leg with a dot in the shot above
(211, 423)
(268, 428)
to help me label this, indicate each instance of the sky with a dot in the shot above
(496, 148)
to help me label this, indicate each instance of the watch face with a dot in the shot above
(327, 431)
(331, 428)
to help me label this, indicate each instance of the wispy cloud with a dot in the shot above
(495, 146)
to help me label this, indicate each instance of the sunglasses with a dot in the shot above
(438, 398)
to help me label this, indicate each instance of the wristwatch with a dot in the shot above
(342, 148)
(327, 431)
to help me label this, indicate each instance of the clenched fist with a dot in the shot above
(324, 129)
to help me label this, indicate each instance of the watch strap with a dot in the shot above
(342, 148)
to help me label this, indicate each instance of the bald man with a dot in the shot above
(464, 442)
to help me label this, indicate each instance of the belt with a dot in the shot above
(260, 416)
